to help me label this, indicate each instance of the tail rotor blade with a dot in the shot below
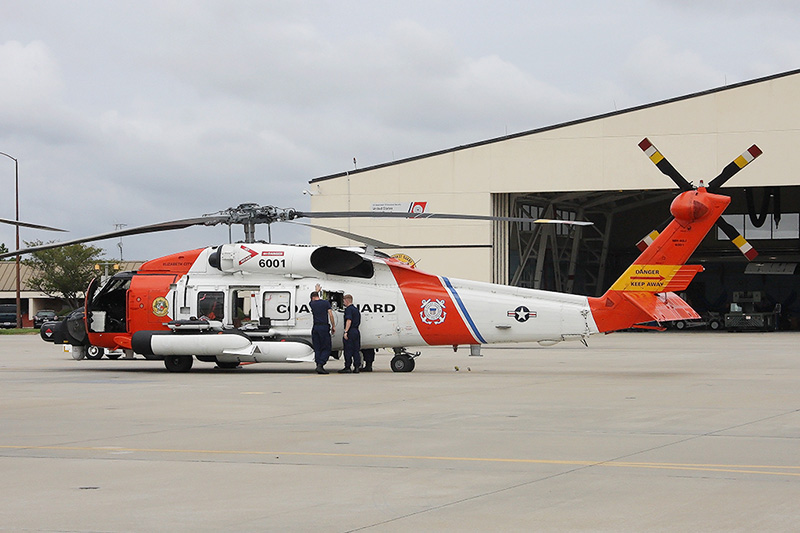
(648, 239)
(736, 238)
(733, 167)
(663, 165)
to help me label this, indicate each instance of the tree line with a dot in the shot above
(61, 273)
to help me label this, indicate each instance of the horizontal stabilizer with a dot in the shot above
(654, 278)
(664, 307)
(683, 277)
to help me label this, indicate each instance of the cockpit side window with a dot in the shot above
(211, 305)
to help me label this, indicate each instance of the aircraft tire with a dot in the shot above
(402, 363)
(113, 355)
(178, 363)
(227, 365)
(94, 352)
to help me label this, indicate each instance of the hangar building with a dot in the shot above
(593, 169)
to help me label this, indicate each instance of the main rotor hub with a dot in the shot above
(249, 214)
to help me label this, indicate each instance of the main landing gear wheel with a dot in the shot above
(402, 363)
(94, 352)
(178, 363)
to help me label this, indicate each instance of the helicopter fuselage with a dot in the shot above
(248, 302)
(255, 295)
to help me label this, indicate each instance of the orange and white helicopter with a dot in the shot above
(247, 302)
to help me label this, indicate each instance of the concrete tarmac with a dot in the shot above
(694, 431)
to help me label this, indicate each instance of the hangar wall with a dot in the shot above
(700, 133)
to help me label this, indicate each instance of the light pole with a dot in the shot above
(16, 196)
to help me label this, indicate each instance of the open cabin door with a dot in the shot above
(270, 306)
(106, 305)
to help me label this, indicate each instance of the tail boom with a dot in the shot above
(643, 292)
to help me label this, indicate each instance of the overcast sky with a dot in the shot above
(144, 111)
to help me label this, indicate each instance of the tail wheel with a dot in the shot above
(94, 352)
(402, 363)
(178, 363)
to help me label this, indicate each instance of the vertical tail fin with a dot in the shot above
(644, 291)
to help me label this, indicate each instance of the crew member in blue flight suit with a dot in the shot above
(368, 356)
(352, 338)
(322, 329)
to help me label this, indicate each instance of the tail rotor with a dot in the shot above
(713, 186)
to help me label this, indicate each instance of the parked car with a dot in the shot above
(43, 316)
(8, 316)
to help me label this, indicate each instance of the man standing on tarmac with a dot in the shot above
(352, 338)
(322, 329)
(368, 355)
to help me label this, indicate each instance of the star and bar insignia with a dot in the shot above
(521, 314)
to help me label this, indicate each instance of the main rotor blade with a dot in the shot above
(663, 165)
(736, 238)
(28, 225)
(444, 216)
(151, 228)
(733, 167)
(348, 235)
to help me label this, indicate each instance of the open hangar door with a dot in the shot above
(587, 260)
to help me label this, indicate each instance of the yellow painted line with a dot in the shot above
(775, 470)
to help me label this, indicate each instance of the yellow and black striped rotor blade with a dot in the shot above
(663, 165)
(648, 239)
(736, 238)
(733, 167)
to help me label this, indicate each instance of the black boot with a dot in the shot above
(367, 367)
(321, 370)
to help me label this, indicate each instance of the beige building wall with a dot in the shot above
(699, 134)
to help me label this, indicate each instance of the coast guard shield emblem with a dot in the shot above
(432, 311)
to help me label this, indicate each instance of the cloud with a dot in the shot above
(30, 93)
(658, 69)
(29, 75)
(144, 112)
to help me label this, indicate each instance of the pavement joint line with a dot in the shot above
(779, 470)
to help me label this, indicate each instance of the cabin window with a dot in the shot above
(211, 305)
(277, 305)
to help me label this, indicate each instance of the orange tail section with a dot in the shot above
(644, 291)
